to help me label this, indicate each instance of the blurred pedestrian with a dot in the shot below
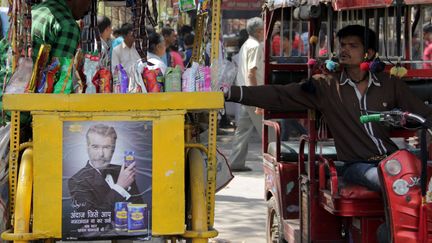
(250, 73)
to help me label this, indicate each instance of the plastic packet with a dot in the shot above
(188, 78)
(91, 63)
(116, 80)
(20, 79)
(39, 67)
(102, 81)
(150, 80)
(124, 79)
(173, 79)
(79, 77)
(136, 82)
(187, 5)
(64, 82)
(46, 84)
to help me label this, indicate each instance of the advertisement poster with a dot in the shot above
(107, 179)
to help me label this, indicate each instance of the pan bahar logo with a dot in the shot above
(122, 214)
(137, 216)
(75, 128)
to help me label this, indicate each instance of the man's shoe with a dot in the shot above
(241, 169)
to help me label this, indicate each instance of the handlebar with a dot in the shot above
(396, 118)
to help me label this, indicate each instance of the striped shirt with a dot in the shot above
(53, 24)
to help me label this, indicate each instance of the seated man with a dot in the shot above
(342, 97)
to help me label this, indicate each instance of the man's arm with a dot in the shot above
(115, 59)
(289, 97)
(252, 77)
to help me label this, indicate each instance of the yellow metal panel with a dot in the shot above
(168, 168)
(47, 193)
(168, 178)
(114, 102)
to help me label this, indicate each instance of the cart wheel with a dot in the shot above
(274, 226)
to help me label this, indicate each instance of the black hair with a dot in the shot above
(185, 29)
(243, 36)
(189, 39)
(167, 31)
(427, 28)
(286, 34)
(153, 40)
(126, 28)
(117, 32)
(361, 32)
(103, 23)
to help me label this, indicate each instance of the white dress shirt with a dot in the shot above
(125, 56)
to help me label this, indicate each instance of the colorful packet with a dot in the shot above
(39, 67)
(124, 80)
(116, 79)
(79, 77)
(102, 81)
(173, 79)
(64, 83)
(150, 80)
(46, 84)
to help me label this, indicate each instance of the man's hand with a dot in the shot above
(126, 176)
(252, 77)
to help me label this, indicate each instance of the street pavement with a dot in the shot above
(240, 213)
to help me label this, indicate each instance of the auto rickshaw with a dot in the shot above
(156, 131)
(307, 200)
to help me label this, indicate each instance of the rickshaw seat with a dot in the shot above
(290, 150)
(343, 199)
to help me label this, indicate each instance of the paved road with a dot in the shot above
(240, 213)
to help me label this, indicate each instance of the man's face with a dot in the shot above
(351, 50)
(100, 149)
(129, 39)
(170, 39)
(260, 34)
(79, 8)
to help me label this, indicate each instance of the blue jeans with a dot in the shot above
(364, 174)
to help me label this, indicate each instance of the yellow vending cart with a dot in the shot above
(108, 166)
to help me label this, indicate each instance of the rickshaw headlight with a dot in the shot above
(393, 167)
(400, 187)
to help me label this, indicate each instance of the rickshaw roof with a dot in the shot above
(341, 4)
(360, 4)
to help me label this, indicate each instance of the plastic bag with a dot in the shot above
(226, 76)
(153, 80)
(46, 84)
(173, 79)
(19, 80)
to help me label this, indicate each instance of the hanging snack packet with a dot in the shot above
(46, 84)
(136, 84)
(79, 77)
(102, 81)
(188, 78)
(116, 80)
(124, 79)
(187, 5)
(39, 67)
(150, 80)
(90, 68)
(64, 82)
(173, 79)
(207, 78)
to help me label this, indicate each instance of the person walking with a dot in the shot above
(250, 73)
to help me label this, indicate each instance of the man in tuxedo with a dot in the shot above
(100, 184)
